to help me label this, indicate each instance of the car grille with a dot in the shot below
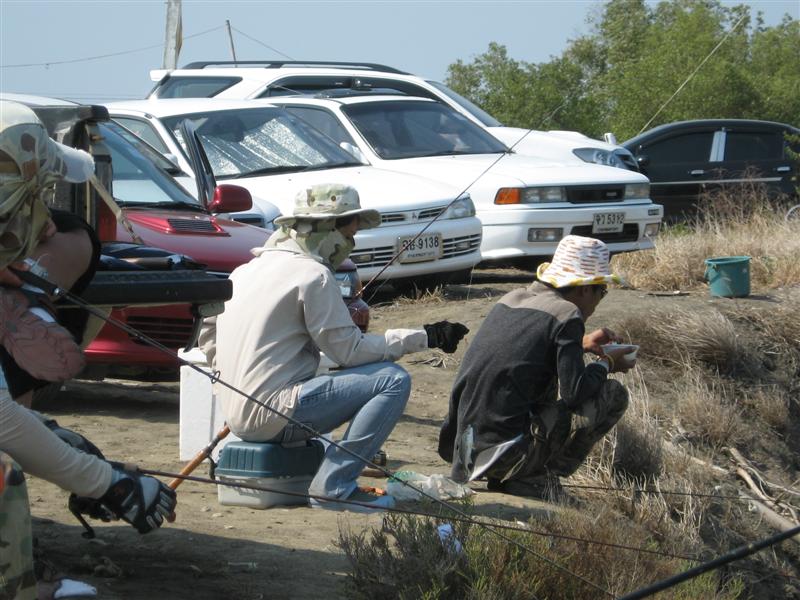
(193, 225)
(411, 216)
(382, 255)
(172, 333)
(579, 194)
(629, 233)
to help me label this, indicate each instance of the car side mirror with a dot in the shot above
(643, 160)
(230, 198)
(610, 138)
(354, 151)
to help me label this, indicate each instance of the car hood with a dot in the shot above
(548, 144)
(378, 189)
(221, 244)
(512, 170)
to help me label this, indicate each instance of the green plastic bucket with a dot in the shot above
(728, 276)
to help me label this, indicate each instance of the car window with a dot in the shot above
(195, 87)
(473, 109)
(688, 147)
(136, 179)
(753, 145)
(144, 130)
(253, 141)
(405, 129)
(324, 121)
(316, 84)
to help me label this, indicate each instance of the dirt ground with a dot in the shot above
(213, 551)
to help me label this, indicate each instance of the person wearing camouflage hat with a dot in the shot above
(29, 163)
(286, 309)
(525, 409)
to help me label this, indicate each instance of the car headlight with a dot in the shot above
(637, 190)
(599, 156)
(461, 208)
(349, 283)
(532, 195)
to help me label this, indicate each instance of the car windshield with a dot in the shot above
(477, 112)
(260, 141)
(136, 178)
(410, 129)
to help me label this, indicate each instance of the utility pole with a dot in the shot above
(174, 35)
(230, 38)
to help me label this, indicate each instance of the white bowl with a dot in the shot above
(631, 356)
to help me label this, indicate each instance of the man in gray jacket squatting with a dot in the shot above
(525, 409)
(286, 308)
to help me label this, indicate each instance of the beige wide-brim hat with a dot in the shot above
(330, 201)
(578, 261)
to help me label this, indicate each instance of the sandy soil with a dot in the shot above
(229, 552)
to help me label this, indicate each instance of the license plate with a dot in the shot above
(428, 246)
(608, 222)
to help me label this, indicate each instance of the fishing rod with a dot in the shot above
(59, 293)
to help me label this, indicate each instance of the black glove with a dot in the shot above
(138, 499)
(445, 335)
(73, 438)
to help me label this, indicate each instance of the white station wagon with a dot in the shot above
(274, 154)
(526, 204)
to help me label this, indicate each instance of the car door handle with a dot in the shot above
(782, 169)
(697, 172)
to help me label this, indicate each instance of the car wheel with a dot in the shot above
(793, 214)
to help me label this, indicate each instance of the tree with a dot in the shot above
(621, 77)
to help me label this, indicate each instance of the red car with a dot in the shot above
(163, 215)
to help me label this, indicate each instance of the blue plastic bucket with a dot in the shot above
(728, 276)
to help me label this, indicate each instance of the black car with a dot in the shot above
(686, 158)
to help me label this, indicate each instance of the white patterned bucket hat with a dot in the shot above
(330, 201)
(578, 261)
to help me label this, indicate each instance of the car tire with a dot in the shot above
(793, 214)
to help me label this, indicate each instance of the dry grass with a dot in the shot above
(749, 224)
(408, 560)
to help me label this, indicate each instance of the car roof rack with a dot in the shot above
(271, 64)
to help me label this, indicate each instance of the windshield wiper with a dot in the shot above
(451, 153)
(269, 171)
(165, 204)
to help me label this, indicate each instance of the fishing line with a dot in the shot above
(467, 520)
(58, 292)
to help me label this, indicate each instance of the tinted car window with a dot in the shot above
(477, 112)
(753, 145)
(136, 179)
(413, 129)
(689, 147)
(195, 87)
(144, 130)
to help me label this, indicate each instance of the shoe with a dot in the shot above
(368, 502)
(34, 340)
(543, 487)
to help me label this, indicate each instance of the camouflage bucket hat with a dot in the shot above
(29, 163)
(578, 261)
(330, 201)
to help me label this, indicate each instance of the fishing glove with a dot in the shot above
(445, 335)
(138, 499)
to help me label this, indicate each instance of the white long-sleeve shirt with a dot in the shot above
(286, 307)
(42, 453)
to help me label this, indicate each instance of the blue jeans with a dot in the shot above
(372, 397)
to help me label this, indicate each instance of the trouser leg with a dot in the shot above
(372, 397)
(589, 424)
(16, 549)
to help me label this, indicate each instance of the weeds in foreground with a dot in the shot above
(408, 559)
(747, 224)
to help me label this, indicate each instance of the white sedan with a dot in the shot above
(274, 154)
(527, 204)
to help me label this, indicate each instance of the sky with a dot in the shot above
(421, 37)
